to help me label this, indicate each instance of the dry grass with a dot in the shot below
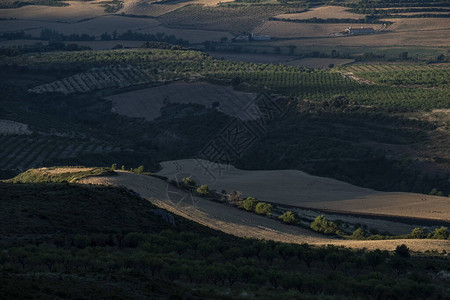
(147, 103)
(300, 189)
(323, 12)
(281, 29)
(237, 222)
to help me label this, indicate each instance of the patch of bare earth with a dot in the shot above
(147, 103)
(292, 187)
(237, 222)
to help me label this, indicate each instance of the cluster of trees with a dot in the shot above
(129, 35)
(40, 47)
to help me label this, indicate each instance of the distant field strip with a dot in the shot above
(24, 152)
(8, 127)
(96, 79)
(408, 75)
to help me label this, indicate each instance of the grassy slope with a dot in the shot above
(46, 175)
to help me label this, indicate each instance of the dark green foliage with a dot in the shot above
(289, 217)
(263, 208)
(203, 190)
(440, 233)
(188, 181)
(107, 245)
(321, 224)
(402, 251)
(249, 203)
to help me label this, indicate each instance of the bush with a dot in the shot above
(140, 169)
(249, 203)
(288, 217)
(320, 224)
(440, 233)
(263, 208)
(359, 234)
(203, 190)
(402, 251)
(418, 233)
(188, 181)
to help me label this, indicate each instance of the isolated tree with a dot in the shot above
(288, 217)
(114, 167)
(263, 208)
(188, 181)
(140, 169)
(203, 190)
(249, 203)
(123, 168)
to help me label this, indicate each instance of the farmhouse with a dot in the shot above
(361, 30)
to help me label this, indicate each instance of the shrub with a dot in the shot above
(321, 224)
(114, 167)
(288, 217)
(249, 203)
(418, 233)
(263, 208)
(203, 190)
(359, 234)
(140, 169)
(235, 197)
(402, 250)
(440, 233)
(188, 181)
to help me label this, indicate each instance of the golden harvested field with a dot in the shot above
(238, 222)
(147, 103)
(323, 12)
(408, 32)
(76, 11)
(150, 8)
(109, 23)
(231, 19)
(156, 9)
(297, 188)
(279, 29)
